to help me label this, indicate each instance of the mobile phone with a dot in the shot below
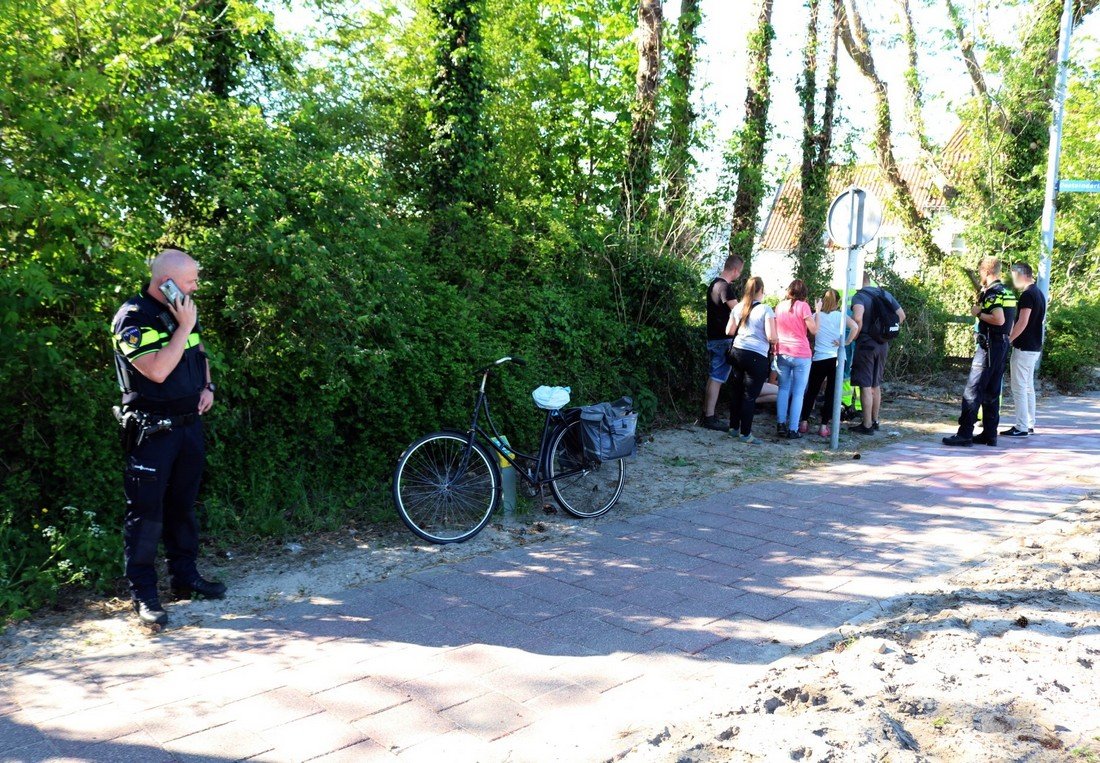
(171, 292)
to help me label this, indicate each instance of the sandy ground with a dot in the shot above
(998, 662)
(674, 464)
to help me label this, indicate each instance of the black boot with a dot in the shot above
(199, 588)
(986, 438)
(150, 612)
(959, 441)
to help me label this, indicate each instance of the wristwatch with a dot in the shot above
(210, 386)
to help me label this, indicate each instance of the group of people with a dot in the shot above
(750, 343)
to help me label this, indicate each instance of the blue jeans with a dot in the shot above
(794, 374)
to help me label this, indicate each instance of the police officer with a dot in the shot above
(165, 381)
(995, 312)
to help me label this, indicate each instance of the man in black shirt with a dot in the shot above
(1027, 345)
(721, 297)
(995, 311)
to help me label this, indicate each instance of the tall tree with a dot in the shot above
(817, 141)
(639, 151)
(1007, 141)
(458, 152)
(681, 113)
(754, 135)
(917, 231)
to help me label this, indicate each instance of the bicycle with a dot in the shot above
(447, 484)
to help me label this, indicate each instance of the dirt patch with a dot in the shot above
(674, 464)
(998, 662)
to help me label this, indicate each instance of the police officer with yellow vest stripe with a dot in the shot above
(165, 380)
(995, 312)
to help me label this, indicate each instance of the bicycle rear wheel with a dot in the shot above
(441, 494)
(587, 489)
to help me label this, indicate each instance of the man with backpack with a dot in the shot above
(878, 318)
(995, 312)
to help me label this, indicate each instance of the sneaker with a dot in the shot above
(860, 429)
(825, 431)
(803, 427)
(1014, 432)
(794, 434)
(150, 612)
(781, 430)
(714, 423)
(748, 439)
(874, 425)
(958, 441)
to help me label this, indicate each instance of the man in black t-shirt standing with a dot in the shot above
(1027, 345)
(721, 297)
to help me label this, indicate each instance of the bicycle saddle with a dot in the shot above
(551, 398)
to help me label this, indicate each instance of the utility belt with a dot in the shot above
(985, 340)
(136, 426)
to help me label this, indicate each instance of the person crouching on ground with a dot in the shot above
(795, 323)
(831, 323)
(752, 326)
(721, 298)
(1026, 339)
(995, 312)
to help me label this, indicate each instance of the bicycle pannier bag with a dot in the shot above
(608, 430)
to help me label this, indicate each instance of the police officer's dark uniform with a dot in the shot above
(987, 371)
(163, 437)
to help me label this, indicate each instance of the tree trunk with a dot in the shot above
(458, 153)
(754, 136)
(681, 112)
(811, 263)
(916, 229)
(639, 153)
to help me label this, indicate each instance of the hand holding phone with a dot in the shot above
(182, 307)
(171, 292)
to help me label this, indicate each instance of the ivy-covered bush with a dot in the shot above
(1071, 354)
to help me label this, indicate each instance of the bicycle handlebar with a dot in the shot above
(502, 361)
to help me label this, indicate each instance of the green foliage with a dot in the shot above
(352, 277)
(918, 354)
(1071, 353)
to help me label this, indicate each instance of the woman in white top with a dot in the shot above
(830, 323)
(752, 326)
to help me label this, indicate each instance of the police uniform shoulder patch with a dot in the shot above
(132, 336)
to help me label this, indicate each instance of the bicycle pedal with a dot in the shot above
(549, 508)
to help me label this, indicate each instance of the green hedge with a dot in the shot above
(1071, 353)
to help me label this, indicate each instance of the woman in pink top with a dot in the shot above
(795, 322)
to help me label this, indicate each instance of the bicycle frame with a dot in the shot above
(535, 478)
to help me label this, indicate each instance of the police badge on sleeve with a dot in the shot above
(131, 337)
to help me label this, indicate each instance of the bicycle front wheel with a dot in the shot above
(585, 488)
(446, 487)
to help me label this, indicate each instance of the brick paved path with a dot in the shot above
(572, 650)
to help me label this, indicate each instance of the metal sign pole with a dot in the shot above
(1054, 153)
(855, 218)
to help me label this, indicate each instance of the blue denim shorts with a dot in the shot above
(719, 360)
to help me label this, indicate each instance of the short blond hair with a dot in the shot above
(991, 265)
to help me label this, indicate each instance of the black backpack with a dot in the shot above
(884, 323)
